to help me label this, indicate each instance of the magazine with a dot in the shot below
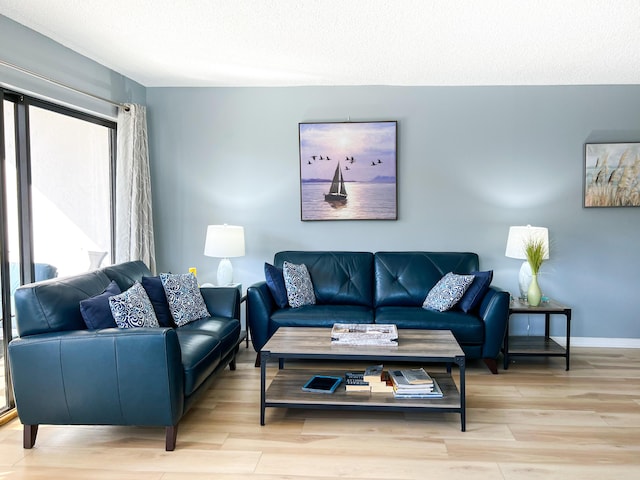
(364, 334)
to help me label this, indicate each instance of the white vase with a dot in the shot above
(534, 295)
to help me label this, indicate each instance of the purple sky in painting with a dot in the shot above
(367, 143)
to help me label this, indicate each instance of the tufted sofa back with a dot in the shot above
(339, 278)
(405, 278)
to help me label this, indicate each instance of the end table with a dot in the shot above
(537, 345)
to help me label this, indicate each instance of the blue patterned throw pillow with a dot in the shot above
(133, 308)
(447, 292)
(298, 283)
(184, 297)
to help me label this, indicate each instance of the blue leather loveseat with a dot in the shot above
(65, 374)
(385, 287)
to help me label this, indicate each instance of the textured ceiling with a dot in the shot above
(347, 42)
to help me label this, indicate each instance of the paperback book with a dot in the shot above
(354, 382)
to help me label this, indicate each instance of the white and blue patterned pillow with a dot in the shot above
(185, 300)
(298, 283)
(447, 292)
(133, 308)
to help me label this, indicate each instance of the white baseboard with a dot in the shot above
(600, 342)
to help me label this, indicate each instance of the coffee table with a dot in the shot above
(414, 346)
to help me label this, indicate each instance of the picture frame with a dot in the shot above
(348, 170)
(611, 175)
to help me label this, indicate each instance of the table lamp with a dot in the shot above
(224, 241)
(516, 241)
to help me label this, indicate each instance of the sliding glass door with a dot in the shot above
(56, 202)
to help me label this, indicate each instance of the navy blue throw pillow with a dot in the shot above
(275, 281)
(96, 311)
(155, 292)
(476, 291)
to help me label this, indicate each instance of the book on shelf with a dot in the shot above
(417, 376)
(384, 385)
(402, 385)
(435, 392)
(354, 382)
(372, 374)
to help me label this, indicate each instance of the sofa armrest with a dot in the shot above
(260, 306)
(109, 377)
(222, 301)
(494, 310)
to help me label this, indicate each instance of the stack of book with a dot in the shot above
(379, 379)
(414, 383)
(374, 379)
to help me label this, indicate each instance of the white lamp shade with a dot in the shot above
(224, 241)
(519, 236)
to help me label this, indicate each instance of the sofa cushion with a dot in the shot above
(96, 311)
(339, 278)
(226, 330)
(404, 278)
(155, 291)
(133, 308)
(447, 292)
(299, 285)
(275, 282)
(321, 316)
(201, 354)
(467, 328)
(184, 297)
(476, 291)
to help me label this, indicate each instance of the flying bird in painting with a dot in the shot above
(314, 157)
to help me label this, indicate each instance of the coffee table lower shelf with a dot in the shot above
(286, 391)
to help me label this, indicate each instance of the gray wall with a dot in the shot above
(23, 47)
(471, 162)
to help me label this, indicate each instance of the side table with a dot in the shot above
(541, 346)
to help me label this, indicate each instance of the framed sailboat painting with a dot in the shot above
(348, 171)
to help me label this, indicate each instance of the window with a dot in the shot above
(57, 198)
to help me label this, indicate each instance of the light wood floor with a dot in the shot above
(534, 421)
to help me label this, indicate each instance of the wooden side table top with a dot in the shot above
(520, 306)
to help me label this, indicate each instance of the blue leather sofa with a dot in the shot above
(385, 287)
(64, 374)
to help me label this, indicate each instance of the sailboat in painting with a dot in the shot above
(337, 192)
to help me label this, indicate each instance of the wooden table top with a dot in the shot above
(306, 341)
(520, 306)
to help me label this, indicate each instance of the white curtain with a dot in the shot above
(134, 222)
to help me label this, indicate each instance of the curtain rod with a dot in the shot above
(60, 84)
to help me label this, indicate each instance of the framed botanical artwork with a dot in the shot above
(612, 175)
(348, 171)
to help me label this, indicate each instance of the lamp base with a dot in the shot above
(225, 272)
(524, 279)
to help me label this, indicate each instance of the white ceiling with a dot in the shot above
(347, 42)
